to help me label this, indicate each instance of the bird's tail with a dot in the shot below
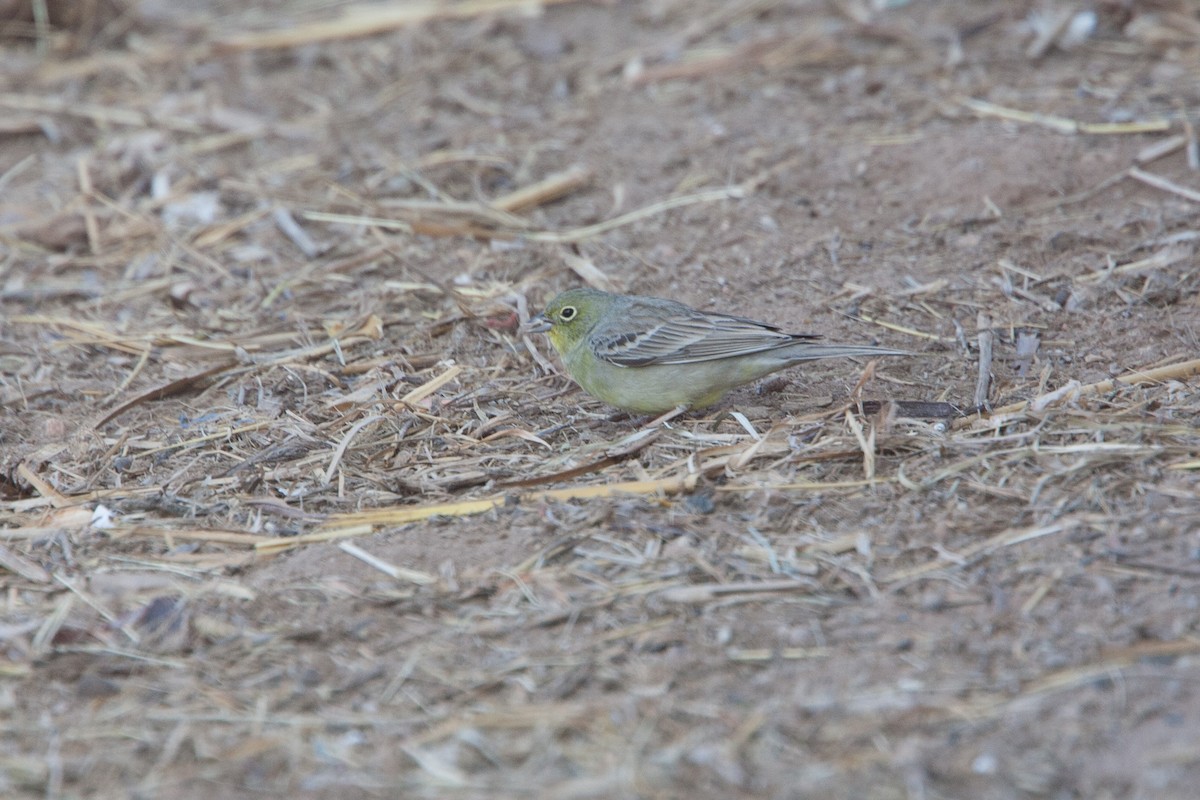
(811, 351)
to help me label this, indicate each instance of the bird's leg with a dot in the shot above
(723, 414)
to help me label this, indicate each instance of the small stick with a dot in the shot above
(541, 360)
(706, 592)
(342, 526)
(986, 109)
(137, 370)
(165, 390)
(1159, 182)
(664, 418)
(42, 486)
(1078, 197)
(366, 19)
(288, 226)
(399, 573)
(585, 268)
(1146, 377)
(109, 617)
(97, 112)
(1160, 149)
(892, 326)
(1160, 260)
(984, 383)
(89, 217)
(1193, 146)
(866, 443)
(1064, 124)
(52, 624)
(18, 564)
(1027, 347)
(1072, 388)
(340, 450)
(424, 390)
(589, 231)
(544, 191)
(783, 654)
(1052, 29)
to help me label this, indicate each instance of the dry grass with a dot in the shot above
(288, 505)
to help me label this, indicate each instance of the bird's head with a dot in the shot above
(570, 316)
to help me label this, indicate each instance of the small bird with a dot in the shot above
(648, 355)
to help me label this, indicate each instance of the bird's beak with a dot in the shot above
(538, 324)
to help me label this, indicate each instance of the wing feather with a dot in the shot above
(687, 337)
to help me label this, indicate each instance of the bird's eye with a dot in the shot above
(568, 313)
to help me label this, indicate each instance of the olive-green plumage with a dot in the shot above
(649, 355)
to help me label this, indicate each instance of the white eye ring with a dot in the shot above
(567, 313)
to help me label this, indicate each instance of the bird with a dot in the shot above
(648, 355)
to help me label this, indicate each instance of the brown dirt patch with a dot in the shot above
(998, 606)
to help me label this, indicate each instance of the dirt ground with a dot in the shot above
(289, 507)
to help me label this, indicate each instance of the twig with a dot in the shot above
(589, 231)
(585, 268)
(18, 564)
(1160, 260)
(866, 443)
(1048, 34)
(1159, 182)
(89, 216)
(1180, 371)
(429, 387)
(1063, 124)
(544, 191)
(340, 450)
(710, 591)
(399, 573)
(109, 115)
(1028, 343)
(360, 523)
(367, 19)
(983, 382)
(1161, 148)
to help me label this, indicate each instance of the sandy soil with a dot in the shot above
(787, 596)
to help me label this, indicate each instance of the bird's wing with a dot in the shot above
(684, 338)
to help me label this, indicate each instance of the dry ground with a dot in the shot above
(260, 280)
